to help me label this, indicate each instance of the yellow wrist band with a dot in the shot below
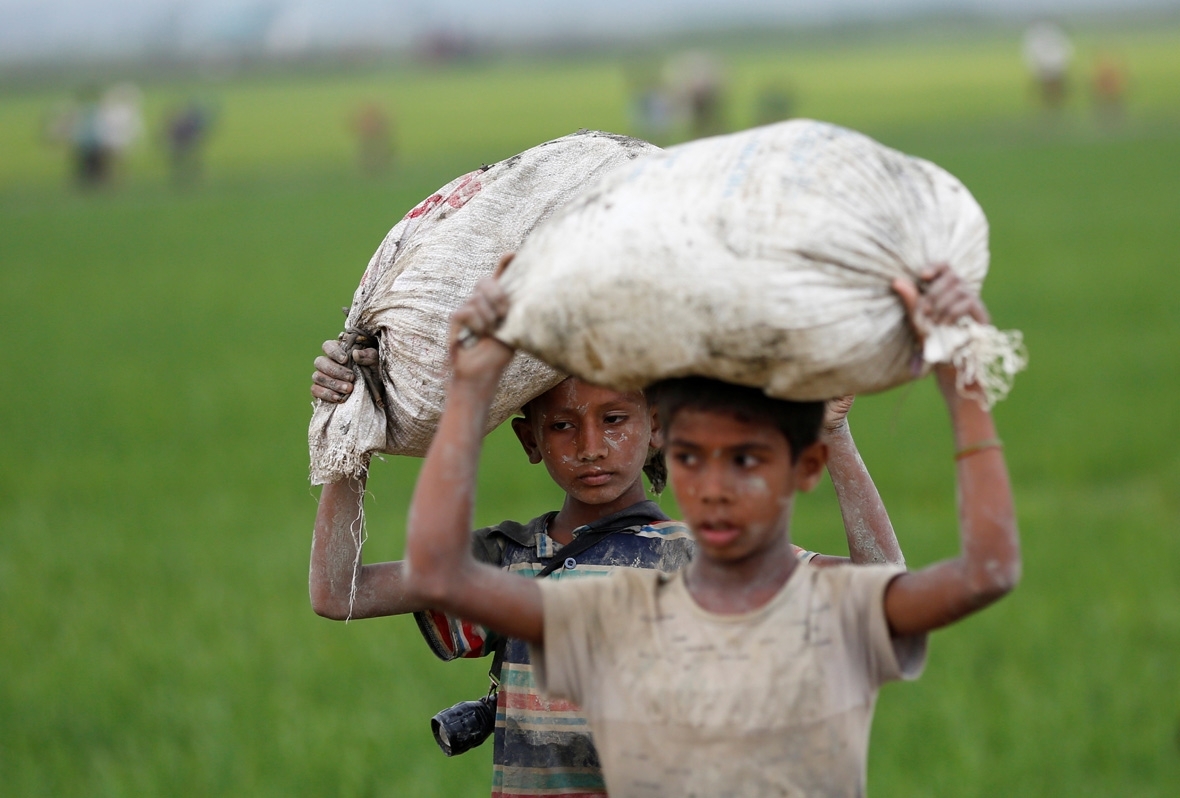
(976, 448)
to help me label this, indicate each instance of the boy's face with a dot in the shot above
(594, 441)
(734, 481)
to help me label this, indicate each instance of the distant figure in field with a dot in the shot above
(120, 122)
(83, 130)
(1108, 88)
(98, 128)
(373, 129)
(1047, 53)
(697, 82)
(185, 132)
(77, 124)
(653, 109)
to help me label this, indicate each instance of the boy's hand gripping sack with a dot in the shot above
(425, 268)
(763, 258)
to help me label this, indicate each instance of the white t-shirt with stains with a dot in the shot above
(685, 702)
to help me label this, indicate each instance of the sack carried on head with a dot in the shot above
(763, 258)
(425, 268)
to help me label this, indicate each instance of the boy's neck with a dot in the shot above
(736, 587)
(574, 514)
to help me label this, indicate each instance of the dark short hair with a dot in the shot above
(799, 422)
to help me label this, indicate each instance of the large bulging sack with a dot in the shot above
(425, 268)
(764, 258)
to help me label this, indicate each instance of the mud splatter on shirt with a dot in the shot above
(685, 702)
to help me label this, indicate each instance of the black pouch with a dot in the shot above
(466, 725)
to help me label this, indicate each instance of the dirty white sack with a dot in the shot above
(425, 268)
(764, 258)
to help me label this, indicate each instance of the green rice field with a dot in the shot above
(155, 514)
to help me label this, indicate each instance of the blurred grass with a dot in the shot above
(155, 637)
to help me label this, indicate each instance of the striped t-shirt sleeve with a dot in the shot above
(452, 638)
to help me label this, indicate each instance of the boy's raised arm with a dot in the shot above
(988, 565)
(441, 571)
(337, 545)
(336, 550)
(866, 523)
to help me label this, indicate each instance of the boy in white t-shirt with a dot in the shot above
(748, 672)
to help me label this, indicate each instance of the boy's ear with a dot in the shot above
(810, 466)
(657, 432)
(524, 433)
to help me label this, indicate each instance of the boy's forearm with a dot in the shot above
(987, 517)
(870, 534)
(438, 543)
(440, 568)
(988, 565)
(336, 558)
(334, 547)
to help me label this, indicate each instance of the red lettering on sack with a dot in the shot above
(427, 204)
(465, 191)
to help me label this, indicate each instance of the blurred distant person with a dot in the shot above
(373, 129)
(697, 81)
(1108, 88)
(120, 123)
(653, 110)
(78, 125)
(653, 114)
(775, 103)
(1047, 53)
(443, 46)
(185, 131)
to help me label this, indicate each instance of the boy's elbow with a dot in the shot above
(995, 579)
(327, 605)
(994, 569)
(330, 595)
(429, 587)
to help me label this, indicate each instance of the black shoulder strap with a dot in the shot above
(497, 663)
(644, 512)
(573, 549)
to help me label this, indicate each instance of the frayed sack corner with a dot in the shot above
(339, 465)
(986, 358)
(342, 438)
